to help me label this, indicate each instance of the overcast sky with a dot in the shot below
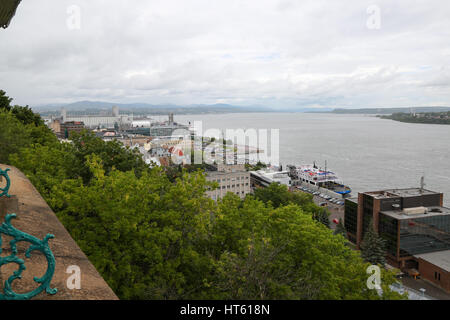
(283, 54)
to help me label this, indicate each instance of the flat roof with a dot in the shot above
(440, 259)
(269, 173)
(404, 192)
(225, 173)
(354, 200)
(399, 215)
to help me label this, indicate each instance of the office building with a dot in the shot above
(414, 225)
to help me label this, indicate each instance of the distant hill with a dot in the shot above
(101, 107)
(390, 110)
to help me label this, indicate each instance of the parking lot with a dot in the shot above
(334, 205)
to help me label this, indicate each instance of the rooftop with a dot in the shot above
(403, 193)
(440, 259)
(224, 173)
(270, 173)
(432, 211)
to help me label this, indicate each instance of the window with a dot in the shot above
(423, 235)
(388, 229)
(351, 216)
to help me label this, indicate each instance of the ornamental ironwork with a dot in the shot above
(4, 191)
(36, 245)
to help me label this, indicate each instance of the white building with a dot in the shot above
(230, 178)
(263, 178)
(103, 121)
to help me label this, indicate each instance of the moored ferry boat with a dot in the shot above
(315, 178)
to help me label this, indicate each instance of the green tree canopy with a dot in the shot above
(5, 101)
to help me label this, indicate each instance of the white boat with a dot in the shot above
(310, 176)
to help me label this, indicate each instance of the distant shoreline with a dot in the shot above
(441, 118)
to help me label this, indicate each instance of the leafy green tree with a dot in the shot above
(373, 247)
(258, 166)
(268, 253)
(23, 114)
(5, 101)
(47, 166)
(27, 116)
(13, 136)
(112, 154)
(140, 233)
(322, 216)
(279, 195)
(340, 229)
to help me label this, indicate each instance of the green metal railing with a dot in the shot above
(4, 191)
(6, 228)
(36, 245)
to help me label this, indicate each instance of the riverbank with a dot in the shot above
(424, 118)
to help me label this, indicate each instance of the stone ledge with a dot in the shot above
(36, 218)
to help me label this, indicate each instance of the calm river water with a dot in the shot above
(366, 152)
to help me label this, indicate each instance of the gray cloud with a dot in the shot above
(275, 53)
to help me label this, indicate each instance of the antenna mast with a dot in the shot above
(422, 183)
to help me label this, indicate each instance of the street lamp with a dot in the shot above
(7, 11)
